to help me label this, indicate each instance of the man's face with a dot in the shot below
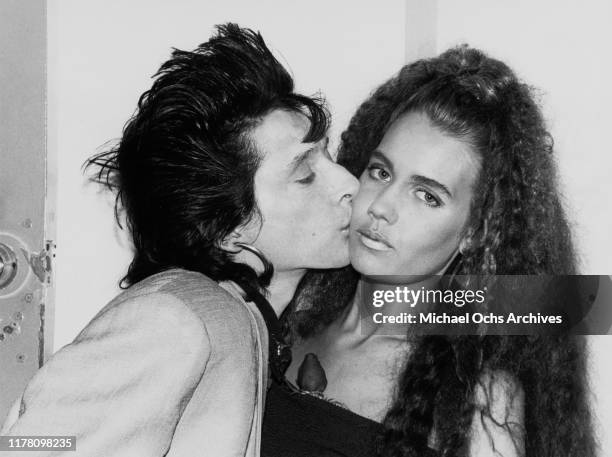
(304, 197)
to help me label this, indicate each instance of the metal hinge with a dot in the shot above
(42, 263)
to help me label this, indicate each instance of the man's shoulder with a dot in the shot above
(190, 288)
(152, 307)
(175, 297)
(176, 281)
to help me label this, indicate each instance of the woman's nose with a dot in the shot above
(382, 208)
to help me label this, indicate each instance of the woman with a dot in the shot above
(222, 172)
(456, 174)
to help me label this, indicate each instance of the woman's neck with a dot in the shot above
(350, 321)
(282, 288)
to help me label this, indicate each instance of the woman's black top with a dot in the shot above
(302, 425)
(299, 424)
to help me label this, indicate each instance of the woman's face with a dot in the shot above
(414, 200)
(304, 197)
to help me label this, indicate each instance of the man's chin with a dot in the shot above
(331, 261)
(333, 265)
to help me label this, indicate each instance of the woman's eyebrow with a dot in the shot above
(379, 155)
(424, 180)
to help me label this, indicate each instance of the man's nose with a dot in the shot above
(349, 185)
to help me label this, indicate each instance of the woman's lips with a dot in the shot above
(374, 240)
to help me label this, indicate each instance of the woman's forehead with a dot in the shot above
(415, 146)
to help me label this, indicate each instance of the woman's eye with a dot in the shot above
(307, 179)
(428, 198)
(377, 172)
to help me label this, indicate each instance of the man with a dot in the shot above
(222, 172)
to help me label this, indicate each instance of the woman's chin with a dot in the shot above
(369, 265)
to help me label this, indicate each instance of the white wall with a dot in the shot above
(565, 49)
(101, 56)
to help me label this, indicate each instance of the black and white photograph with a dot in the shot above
(305, 229)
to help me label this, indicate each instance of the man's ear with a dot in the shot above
(244, 233)
(228, 243)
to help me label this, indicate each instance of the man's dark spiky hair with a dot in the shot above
(184, 168)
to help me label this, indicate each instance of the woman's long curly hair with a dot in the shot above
(516, 225)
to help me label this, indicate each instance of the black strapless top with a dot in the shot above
(302, 425)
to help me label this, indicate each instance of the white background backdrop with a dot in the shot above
(102, 53)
